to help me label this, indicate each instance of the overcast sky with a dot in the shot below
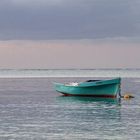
(69, 22)
(69, 19)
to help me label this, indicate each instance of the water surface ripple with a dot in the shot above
(31, 109)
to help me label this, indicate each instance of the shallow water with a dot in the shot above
(31, 109)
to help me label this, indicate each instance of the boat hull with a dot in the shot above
(105, 88)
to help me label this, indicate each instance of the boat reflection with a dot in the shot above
(87, 100)
(90, 108)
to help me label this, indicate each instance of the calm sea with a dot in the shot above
(30, 109)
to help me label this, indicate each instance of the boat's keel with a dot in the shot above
(98, 96)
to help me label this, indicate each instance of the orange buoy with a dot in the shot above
(128, 96)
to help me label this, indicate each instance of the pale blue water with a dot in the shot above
(30, 109)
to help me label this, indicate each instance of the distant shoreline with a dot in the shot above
(45, 73)
(74, 69)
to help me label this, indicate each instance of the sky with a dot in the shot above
(69, 34)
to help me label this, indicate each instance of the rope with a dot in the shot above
(120, 91)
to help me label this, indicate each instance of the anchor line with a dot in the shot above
(120, 90)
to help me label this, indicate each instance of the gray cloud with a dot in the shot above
(71, 19)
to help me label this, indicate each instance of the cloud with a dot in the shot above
(71, 19)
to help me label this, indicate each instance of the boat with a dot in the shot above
(97, 88)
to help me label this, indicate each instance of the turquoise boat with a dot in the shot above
(98, 88)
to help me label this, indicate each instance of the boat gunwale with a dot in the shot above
(96, 83)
